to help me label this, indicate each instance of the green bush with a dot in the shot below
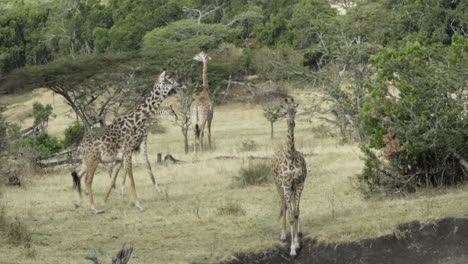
(255, 173)
(41, 113)
(42, 144)
(419, 125)
(73, 135)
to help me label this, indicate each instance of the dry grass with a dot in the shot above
(186, 224)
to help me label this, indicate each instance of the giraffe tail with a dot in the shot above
(197, 130)
(76, 181)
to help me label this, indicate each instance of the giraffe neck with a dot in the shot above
(290, 148)
(150, 106)
(205, 74)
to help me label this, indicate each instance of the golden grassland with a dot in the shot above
(185, 225)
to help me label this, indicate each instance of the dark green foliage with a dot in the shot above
(419, 125)
(21, 38)
(254, 173)
(42, 144)
(185, 35)
(73, 135)
(41, 113)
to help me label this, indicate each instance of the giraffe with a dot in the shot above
(117, 141)
(289, 172)
(141, 145)
(141, 137)
(202, 108)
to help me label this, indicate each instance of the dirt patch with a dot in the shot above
(443, 241)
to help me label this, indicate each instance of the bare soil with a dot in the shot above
(444, 241)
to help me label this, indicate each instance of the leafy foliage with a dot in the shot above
(42, 144)
(419, 124)
(73, 135)
(41, 113)
(186, 35)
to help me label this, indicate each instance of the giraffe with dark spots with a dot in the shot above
(117, 141)
(289, 172)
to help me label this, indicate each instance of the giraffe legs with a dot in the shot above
(291, 203)
(144, 150)
(129, 173)
(116, 169)
(210, 118)
(91, 168)
(80, 194)
(282, 214)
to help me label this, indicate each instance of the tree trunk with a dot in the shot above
(271, 129)
(186, 146)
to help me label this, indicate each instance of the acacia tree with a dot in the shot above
(272, 114)
(185, 98)
(41, 115)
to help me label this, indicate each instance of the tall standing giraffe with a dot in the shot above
(201, 110)
(289, 172)
(117, 141)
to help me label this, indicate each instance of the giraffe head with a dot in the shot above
(289, 109)
(169, 83)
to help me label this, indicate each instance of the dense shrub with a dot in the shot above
(255, 173)
(419, 125)
(73, 135)
(42, 144)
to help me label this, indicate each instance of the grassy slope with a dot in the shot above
(186, 226)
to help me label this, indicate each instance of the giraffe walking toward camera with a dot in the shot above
(117, 141)
(201, 110)
(289, 172)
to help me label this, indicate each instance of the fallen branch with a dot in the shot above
(58, 153)
(56, 163)
(121, 258)
(172, 159)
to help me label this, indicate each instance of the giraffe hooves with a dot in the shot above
(96, 211)
(137, 205)
(293, 252)
(156, 187)
(283, 236)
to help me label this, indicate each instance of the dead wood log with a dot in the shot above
(159, 159)
(56, 163)
(122, 257)
(58, 153)
(172, 159)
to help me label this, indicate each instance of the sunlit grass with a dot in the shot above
(203, 216)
